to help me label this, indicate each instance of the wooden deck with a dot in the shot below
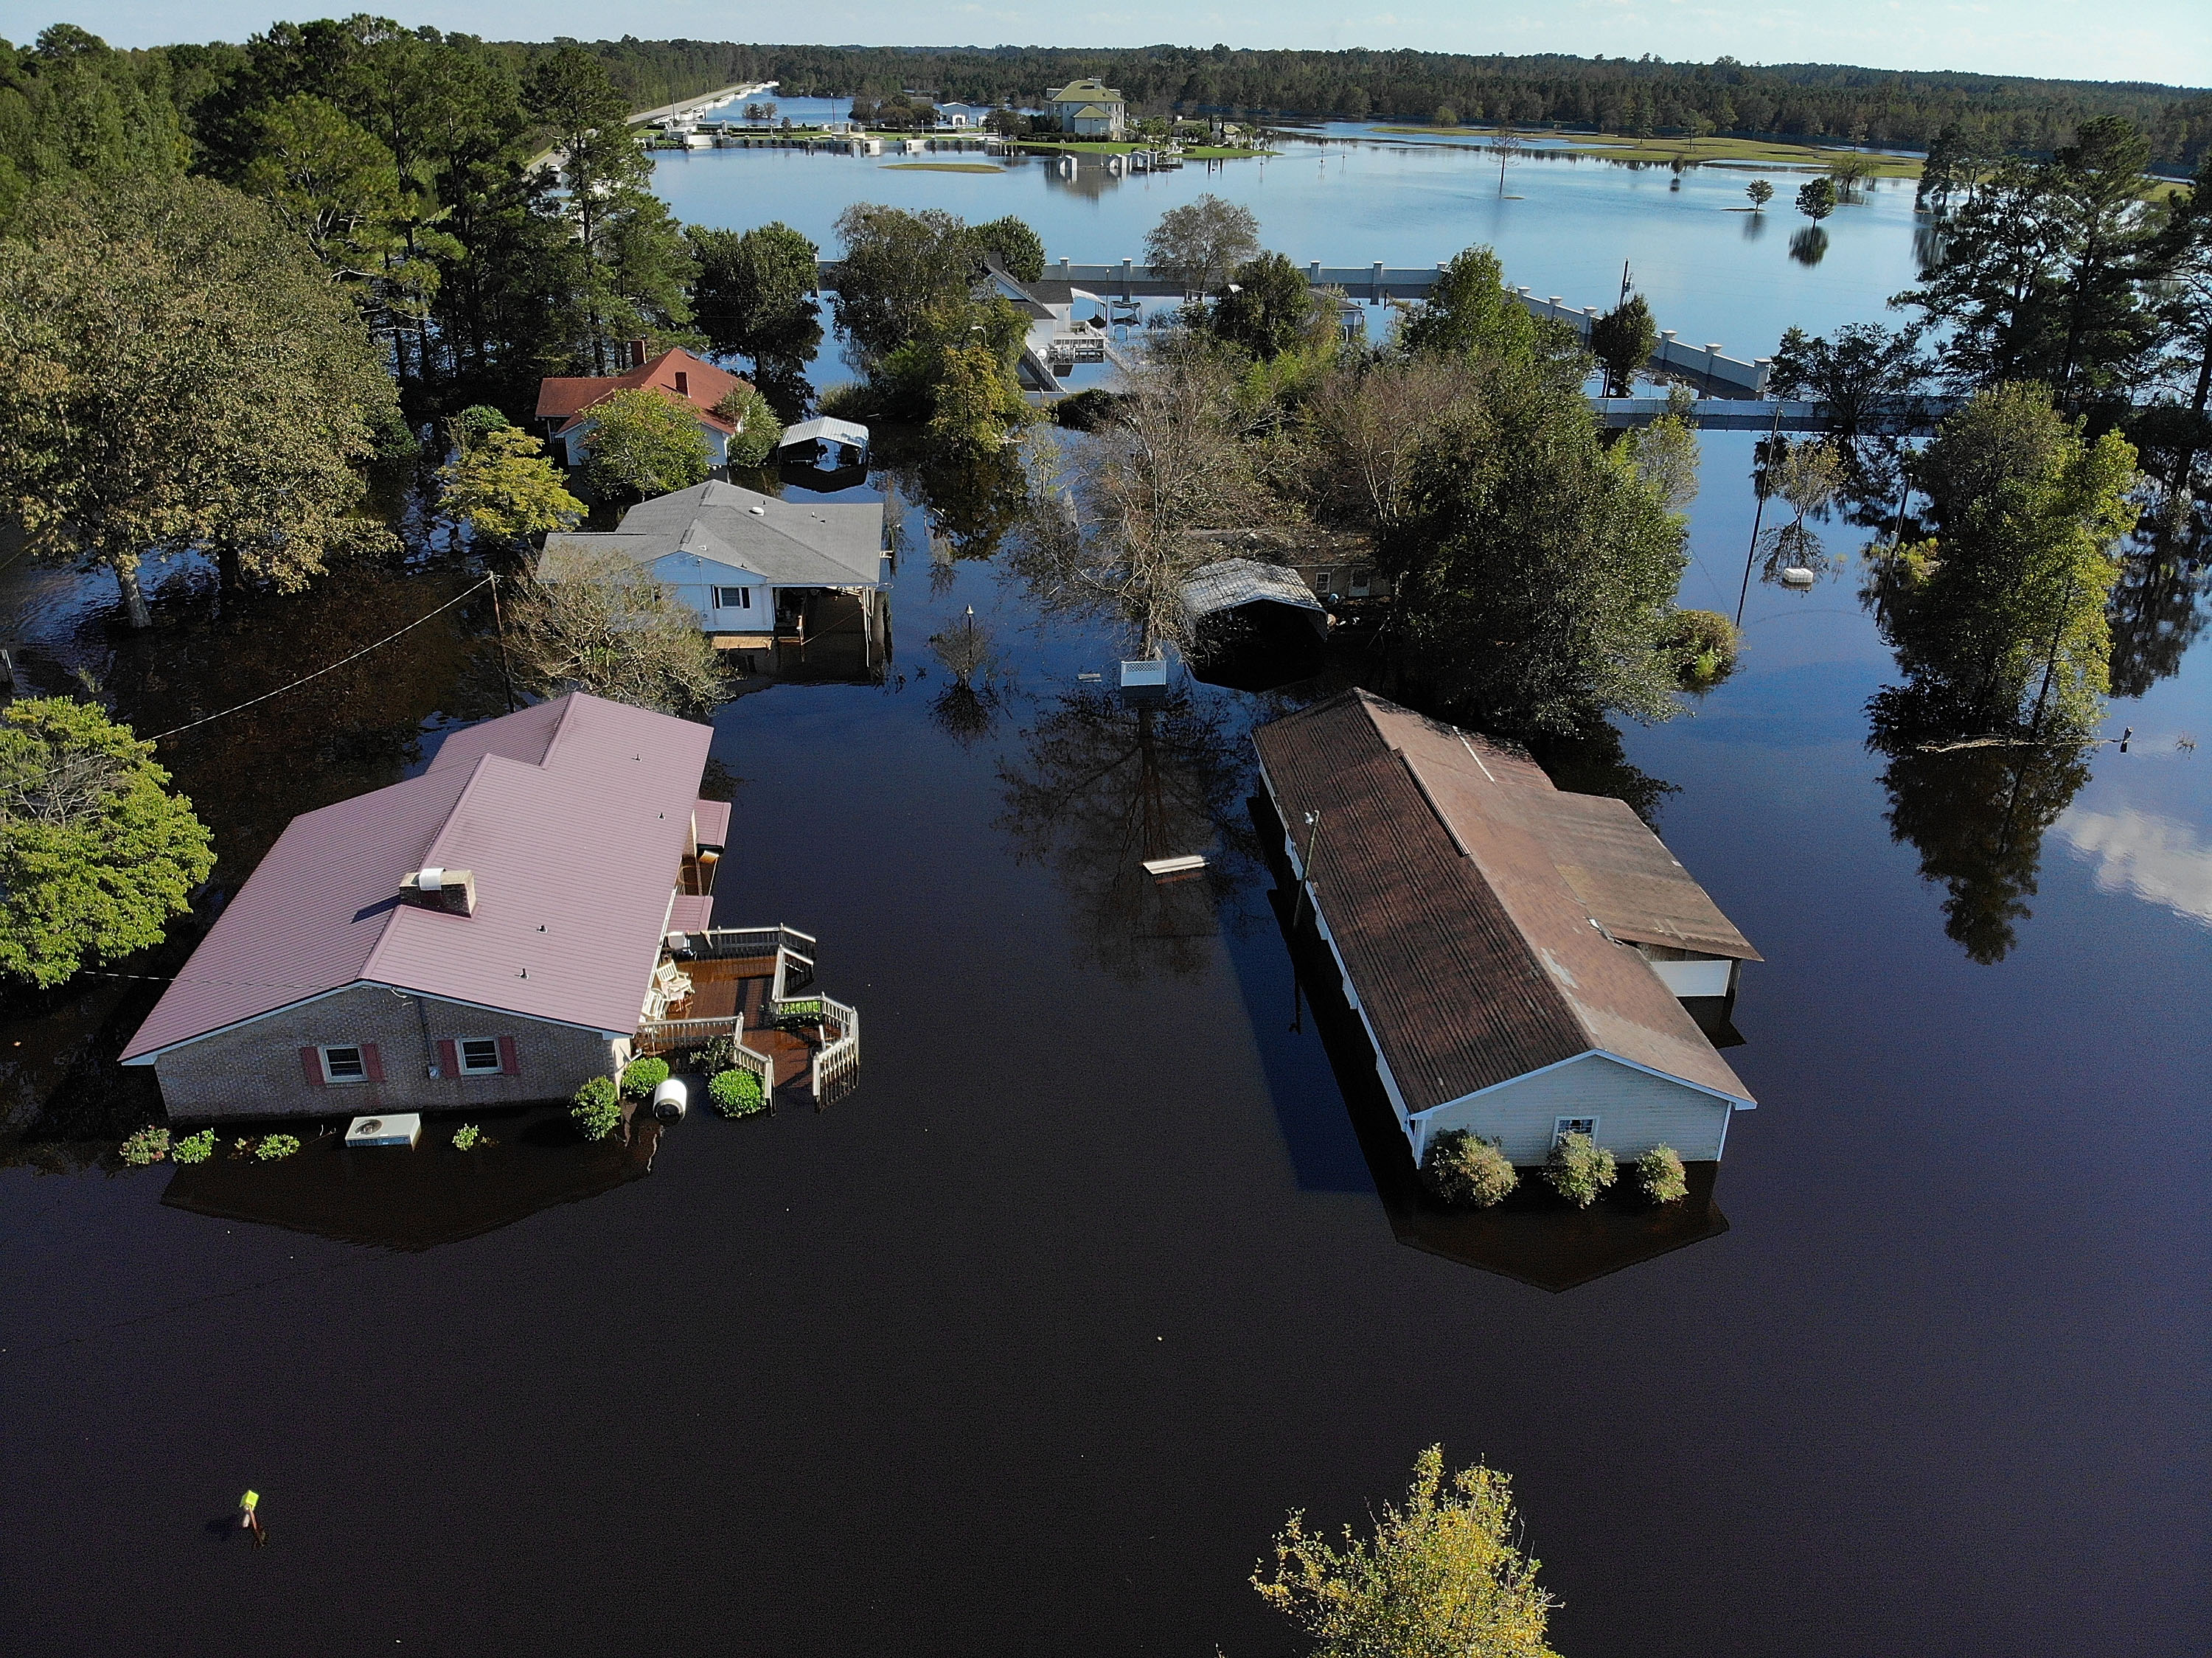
(732, 987)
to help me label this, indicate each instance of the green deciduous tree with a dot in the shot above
(96, 855)
(1760, 192)
(1623, 340)
(754, 295)
(644, 443)
(758, 429)
(500, 483)
(895, 267)
(1018, 247)
(1817, 200)
(2000, 616)
(1443, 1576)
(1200, 243)
(177, 371)
(1470, 312)
(1268, 308)
(976, 399)
(1536, 568)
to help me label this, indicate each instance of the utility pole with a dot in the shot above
(499, 622)
(1757, 519)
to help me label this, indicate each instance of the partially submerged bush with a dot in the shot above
(273, 1146)
(736, 1093)
(1463, 1169)
(1579, 1169)
(194, 1148)
(466, 1136)
(1087, 410)
(149, 1145)
(1659, 1175)
(1704, 644)
(598, 1109)
(640, 1076)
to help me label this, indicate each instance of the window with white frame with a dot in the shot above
(479, 1056)
(733, 599)
(345, 1064)
(1563, 1127)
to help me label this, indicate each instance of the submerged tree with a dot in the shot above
(1197, 244)
(1268, 308)
(1443, 1576)
(1098, 786)
(644, 444)
(500, 483)
(754, 294)
(1623, 340)
(176, 371)
(96, 855)
(601, 624)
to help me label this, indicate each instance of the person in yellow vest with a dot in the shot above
(249, 1516)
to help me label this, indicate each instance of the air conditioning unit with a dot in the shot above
(393, 1128)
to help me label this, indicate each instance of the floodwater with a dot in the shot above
(1029, 1345)
(1352, 195)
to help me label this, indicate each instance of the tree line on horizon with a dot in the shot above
(1646, 96)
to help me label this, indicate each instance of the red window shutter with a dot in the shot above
(449, 1058)
(510, 1062)
(311, 1066)
(372, 1062)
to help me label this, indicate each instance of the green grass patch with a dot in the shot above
(943, 166)
(1616, 146)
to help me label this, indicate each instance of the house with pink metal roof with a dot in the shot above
(518, 919)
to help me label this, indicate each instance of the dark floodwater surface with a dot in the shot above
(1028, 1345)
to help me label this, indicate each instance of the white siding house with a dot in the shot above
(739, 558)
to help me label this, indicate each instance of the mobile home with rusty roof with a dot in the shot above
(1520, 955)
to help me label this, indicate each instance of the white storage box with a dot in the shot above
(393, 1128)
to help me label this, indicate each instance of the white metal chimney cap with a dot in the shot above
(432, 879)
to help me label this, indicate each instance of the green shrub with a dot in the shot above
(758, 429)
(1659, 1173)
(194, 1148)
(736, 1093)
(1087, 410)
(149, 1145)
(274, 1146)
(1704, 646)
(598, 1109)
(1579, 1169)
(640, 1076)
(852, 400)
(466, 1136)
(714, 1055)
(1463, 1169)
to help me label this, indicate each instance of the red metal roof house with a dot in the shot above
(488, 933)
(565, 401)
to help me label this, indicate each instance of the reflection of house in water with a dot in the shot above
(1257, 626)
(795, 589)
(1534, 1236)
(418, 1199)
(1519, 955)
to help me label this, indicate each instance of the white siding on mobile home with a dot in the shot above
(1634, 1109)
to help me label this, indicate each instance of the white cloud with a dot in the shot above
(2158, 859)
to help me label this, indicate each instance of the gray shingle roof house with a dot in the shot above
(1088, 108)
(1519, 955)
(483, 933)
(729, 551)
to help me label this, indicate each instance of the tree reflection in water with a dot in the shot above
(1808, 245)
(1100, 785)
(2158, 609)
(1976, 814)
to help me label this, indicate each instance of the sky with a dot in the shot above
(2164, 40)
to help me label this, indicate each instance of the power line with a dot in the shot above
(489, 581)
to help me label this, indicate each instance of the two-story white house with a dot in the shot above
(1087, 109)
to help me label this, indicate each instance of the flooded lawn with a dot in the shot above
(1029, 1345)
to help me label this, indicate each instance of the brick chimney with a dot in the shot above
(682, 384)
(637, 353)
(451, 890)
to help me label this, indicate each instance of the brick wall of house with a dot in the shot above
(255, 1071)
